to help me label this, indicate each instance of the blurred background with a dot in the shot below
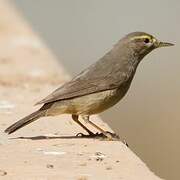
(80, 32)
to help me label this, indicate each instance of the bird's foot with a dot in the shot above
(108, 136)
(111, 137)
(90, 135)
(104, 136)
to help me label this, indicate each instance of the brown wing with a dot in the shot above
(109, 72)
(78, 88)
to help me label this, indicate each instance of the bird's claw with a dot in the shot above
(110, 136)
(90, 135)
(85, 135)
(105, 136)
(80, 135)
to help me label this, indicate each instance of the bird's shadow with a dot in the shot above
(99, 136)
(78, 136)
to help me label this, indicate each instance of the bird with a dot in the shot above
(98, 87)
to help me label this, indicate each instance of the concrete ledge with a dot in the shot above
(29, 72)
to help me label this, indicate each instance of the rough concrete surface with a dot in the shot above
(28, 73)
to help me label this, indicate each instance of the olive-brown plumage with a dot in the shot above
(98, 87)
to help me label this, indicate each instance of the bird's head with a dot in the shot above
(141, 43)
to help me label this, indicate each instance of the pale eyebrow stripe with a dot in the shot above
(141, 37)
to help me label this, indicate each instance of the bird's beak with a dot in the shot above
(164, 44)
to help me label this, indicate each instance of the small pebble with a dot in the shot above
(99, 156)
(99, 159)
(3, 173)
(50, 166)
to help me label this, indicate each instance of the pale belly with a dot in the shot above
(88, 104)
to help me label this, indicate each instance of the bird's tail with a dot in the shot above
(25, 121)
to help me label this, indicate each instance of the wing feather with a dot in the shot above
(77, 88)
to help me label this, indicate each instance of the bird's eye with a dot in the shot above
(146, 40)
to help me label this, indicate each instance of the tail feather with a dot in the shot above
(25, 121)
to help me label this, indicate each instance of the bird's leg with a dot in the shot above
(75, 118)
(109, 135)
